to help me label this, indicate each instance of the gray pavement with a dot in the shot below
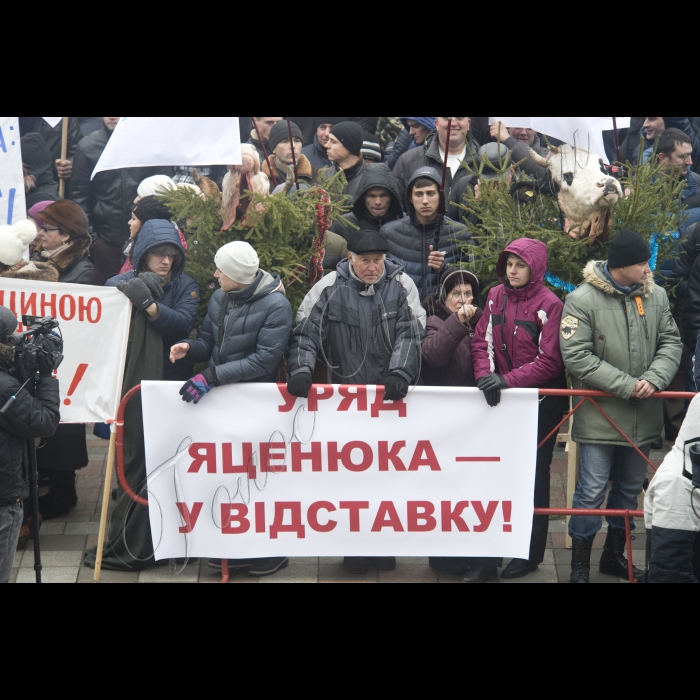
(63, 542)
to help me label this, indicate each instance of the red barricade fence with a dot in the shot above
(587, 396)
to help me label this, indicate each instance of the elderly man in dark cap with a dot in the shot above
(617, 336)
(383, 346)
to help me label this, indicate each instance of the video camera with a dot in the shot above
(39, 348)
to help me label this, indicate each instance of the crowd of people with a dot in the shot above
(398, 307)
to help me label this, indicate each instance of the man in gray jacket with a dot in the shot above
(365, 323)
(617, 336)
(243, 338)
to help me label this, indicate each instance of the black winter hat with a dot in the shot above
(628, 248)
(452, 276)
(363, 242)
(8, 324)
(280, 132)
(150, 208)
(329, 120)
(350, 135)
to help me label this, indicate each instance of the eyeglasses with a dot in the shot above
(459, 296)
(163, 256)
(45, 229)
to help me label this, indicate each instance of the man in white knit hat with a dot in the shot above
(243, 337)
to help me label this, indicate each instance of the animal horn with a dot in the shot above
(543, 162)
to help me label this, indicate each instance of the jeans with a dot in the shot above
(600, 464)
(10, 525)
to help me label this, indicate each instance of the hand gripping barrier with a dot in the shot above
(587, 396)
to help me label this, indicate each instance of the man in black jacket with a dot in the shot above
(28, 418)
(53, 135)
(460, 149)
(107, 200)
(378, 203)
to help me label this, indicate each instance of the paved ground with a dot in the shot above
(64, 541)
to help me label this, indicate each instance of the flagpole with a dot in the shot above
(64, 155)
(267, 157)
(294, 157)
(443, 196)
(617, 140)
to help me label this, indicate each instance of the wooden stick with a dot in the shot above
(64, 155)
(107, 495)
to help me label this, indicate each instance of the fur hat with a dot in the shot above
(14, 241)
(68, 217)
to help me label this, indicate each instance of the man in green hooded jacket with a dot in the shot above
(617, 336)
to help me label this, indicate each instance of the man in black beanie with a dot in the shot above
(316, 151)
(617, 336)
(282, 159)
(345, 153)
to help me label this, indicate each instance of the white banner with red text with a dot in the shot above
(94, 323)
(252, 472)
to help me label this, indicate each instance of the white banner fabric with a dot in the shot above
(52, 121)
(253, 472)
(584, 132)
(94, 322)
(13, 206)
(153, 141)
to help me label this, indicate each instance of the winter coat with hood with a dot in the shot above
(410, 241)
(428, 155)
(245, 334)
(610, 340)
(404, 142)
(108, 200)
(447, 347)
(36, 158)
(365, 332)
(179, 305)
(360, 216)
(317, 154)
(518, 335)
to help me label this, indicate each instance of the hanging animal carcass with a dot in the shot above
(587, 193)
(240, 179)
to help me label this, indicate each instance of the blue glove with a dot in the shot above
(198, 387)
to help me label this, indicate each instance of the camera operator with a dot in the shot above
(27, 418)
(672, 510)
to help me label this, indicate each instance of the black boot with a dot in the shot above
(62, 497)
(613, 561)
(581, 561)
(481, 574)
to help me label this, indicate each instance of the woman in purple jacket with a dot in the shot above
(516, 346)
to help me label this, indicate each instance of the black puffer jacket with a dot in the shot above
(373, 177)
(28, 418)
(245, 333)
(429, 156)
(108, 200)
(366, 332)
(689, 250)
(410, 241)
(353, 176)
(691, 308)
(36, 158)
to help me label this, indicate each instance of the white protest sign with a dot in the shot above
(254, 472)
(151, 141)
(622, 123)
(13, 206)
(95, 324)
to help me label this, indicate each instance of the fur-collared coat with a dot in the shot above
(37, 271)
(609, 341)
(307, 173)
(73, 264)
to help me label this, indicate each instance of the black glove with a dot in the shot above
(492, 387)
(44, 361)
(137, 292)
(396, 388)
(154, 283)
(300, 385)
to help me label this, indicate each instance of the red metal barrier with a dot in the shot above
(585, 395)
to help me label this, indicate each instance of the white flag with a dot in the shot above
(13, 207)
(142, 142)
(52, 121)
(583, 132)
